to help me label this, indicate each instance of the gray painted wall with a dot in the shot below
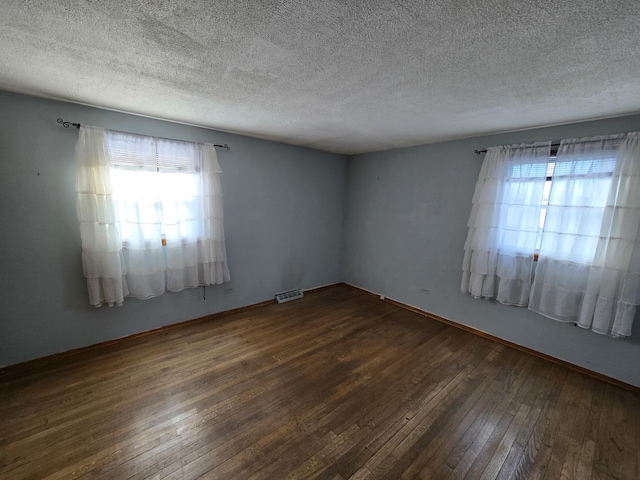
(283, 218)
(407, 211)
(395, 221)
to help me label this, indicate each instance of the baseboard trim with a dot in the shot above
(35, 362)
(95, 346)
(49, 358)
(530, 351)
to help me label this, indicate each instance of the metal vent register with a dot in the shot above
(288, 296)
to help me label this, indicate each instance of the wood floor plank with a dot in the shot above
(390, 419)
(631, 446)
(334, 418)
(386, 419)
(437, 419)
(447, 451)
(518, 459)
(334, 386)
(346, 388)
(579, 457)
(567, 427)
(537, 446)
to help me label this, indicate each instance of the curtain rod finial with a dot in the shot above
(67, 124)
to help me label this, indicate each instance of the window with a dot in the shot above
(575, 185)
(147, 196)
(573, 206)
(150, 212)
(577, 214)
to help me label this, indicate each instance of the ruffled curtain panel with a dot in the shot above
(588, 270)
(150, 213)
(504, 223)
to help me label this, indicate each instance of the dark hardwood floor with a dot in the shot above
(337, 385)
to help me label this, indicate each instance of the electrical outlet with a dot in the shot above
(228, 289)
(425, 291)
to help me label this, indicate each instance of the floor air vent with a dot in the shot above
(288, 296)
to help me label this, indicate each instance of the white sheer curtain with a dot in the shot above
(102, 259)
(505, 222)
(150, 214)
(589, 266)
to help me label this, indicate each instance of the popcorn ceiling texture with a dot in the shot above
(342, 76)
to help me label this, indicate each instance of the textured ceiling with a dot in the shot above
(341, 76)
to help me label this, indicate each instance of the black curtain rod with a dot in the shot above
(554, 149)
(78, 125)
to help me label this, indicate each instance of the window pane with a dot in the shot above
(585, 167)
(148, 202)
(546, 192)
(576, 204)
(551, 166)
(520, 214)
(529, 170)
